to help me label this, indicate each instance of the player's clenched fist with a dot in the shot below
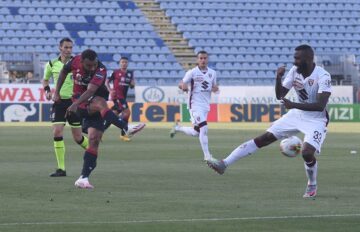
(280, 72)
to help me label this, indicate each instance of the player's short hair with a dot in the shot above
(201, 52)
(307, 49)
(124, 58)
(66, 39)
(89, 54)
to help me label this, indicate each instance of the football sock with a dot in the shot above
(84, 143)
(126, 120)
(204, 141)
(241, 151)
(187, 130)
(111, 117)
(89, 165)
(59, 148)
(311, 171)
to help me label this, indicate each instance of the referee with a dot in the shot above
(52, 69)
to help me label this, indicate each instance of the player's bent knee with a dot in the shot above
(308, 150)
(202, 124)
(265, 139)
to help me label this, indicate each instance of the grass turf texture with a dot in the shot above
(155, 183)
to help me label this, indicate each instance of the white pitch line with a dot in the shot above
(182, 220)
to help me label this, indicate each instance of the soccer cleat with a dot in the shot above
(83, 183)
(173, 129)
(310, 191)
(132, 130)
(58, 173)
(125, 138)
(218, 165)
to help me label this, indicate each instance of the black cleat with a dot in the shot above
(58, 173)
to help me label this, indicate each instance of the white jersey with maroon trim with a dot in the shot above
(201, 83)
(307, 88)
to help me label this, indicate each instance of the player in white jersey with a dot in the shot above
(308, 115)
(202, 81)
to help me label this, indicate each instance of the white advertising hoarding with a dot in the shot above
(233, 95)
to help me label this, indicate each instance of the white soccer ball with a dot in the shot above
(291, 146)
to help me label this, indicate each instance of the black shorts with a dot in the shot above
(120, 105)
(91, 120)
(58, 112)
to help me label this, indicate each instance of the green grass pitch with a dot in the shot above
(155, 183)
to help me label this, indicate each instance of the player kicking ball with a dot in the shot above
(202, 80)
(89, 101)
(308, 115)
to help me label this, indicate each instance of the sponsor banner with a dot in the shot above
(22, 93)
(251, 113)
(149, 112)
(27, 93)
(162, 112)
(344, 113)
(19, 112)
(233, 95)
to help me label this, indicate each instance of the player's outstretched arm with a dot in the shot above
(90, 91)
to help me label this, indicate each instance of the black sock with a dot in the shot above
(89, 164)
(110, 117)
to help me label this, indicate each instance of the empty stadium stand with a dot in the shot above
(247, 39)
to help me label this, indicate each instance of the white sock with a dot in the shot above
(187, 130)
(311, 173)
(241, 151)
(204, 141)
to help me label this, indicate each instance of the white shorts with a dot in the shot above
(198, 116)
(292, 123)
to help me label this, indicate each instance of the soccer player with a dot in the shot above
(202, 80)
(52, 69)
(89, 100)
(121, 79)
(308, 115)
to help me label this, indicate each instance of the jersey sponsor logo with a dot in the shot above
(205, 84)
(198, 78)
(99, 75)
(153, 94)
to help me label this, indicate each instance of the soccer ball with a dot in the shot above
(291, 146)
